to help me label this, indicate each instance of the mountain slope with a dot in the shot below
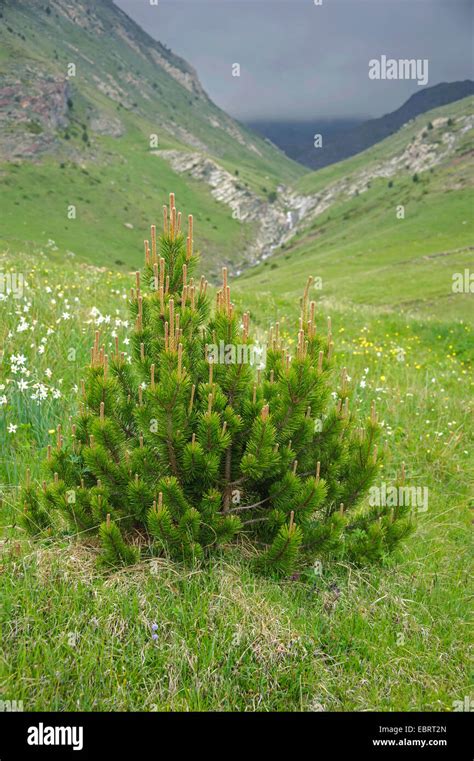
(120, 71)
(379, 224)
(87, 103)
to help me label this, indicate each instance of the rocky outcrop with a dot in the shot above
(34, 96)
(275, 223)
(79, 13)
(187, 79)
(234, 132)
(271, 221)
(425, 151)
(33, 106)
(103, 124)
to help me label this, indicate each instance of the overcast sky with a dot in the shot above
(300, 60)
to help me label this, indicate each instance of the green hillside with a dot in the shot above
(366, 254)
(89, 139)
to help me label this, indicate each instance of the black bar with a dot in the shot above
(308, 735)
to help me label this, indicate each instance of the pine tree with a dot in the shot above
(191, 444)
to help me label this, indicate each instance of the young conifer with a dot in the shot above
(191, 445)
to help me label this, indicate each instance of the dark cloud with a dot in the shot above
(301, 60)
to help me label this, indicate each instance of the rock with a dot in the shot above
(106, 125)
(273, 225)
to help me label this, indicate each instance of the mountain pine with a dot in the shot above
(191, 445)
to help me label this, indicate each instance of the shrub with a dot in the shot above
(192, 444)
(34, 127)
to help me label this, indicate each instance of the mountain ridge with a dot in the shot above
(340, 142)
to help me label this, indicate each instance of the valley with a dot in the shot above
(114, 136)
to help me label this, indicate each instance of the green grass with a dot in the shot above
(120, 188)
(375, 639)
(230, 641)
(375, 258)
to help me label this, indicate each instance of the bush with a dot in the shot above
(34, 127)
(193, 444)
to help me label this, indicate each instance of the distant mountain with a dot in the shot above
(344, 139)
(296, 138)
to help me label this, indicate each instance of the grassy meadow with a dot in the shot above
(385, 638)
